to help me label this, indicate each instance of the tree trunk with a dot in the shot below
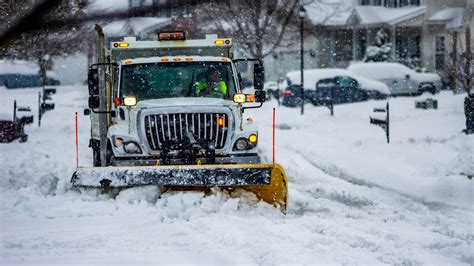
(43, 70)
(467, 65)
(454, 59)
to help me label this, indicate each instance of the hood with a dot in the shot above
(427, 77)
(189, 101)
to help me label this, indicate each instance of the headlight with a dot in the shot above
(241, 144)
(239, 98)
(129, 101)
(131, 147)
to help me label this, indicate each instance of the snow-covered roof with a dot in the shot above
(335, 13)
(312, 76)
(21, 67)
(135, 26)
(453, 17)
(107, 6)
(376, 15)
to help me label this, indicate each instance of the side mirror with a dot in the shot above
(94, 101)
(407, 76)
(87, 112)
(93, 81)
(258, 77)
(260, 96)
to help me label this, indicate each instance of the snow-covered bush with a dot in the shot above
(381, 49)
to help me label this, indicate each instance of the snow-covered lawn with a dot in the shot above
(353, 198)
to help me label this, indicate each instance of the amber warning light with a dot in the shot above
(172, 36)
(121, 44)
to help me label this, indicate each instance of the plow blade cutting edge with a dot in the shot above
(267, 181)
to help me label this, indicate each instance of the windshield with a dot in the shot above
(178, 79)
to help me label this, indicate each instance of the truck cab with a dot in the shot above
(172, 102)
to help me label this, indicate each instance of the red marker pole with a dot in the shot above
(77, 144)
(273, 137)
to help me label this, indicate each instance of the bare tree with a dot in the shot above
(459, 67)
(45, 44)
(258, 26)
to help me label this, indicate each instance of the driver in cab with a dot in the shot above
(212, 85)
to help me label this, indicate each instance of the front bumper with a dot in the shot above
(151, 160)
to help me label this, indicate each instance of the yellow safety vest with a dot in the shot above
(220, 90)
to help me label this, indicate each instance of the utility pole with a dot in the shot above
(102, 97)
(302, 14)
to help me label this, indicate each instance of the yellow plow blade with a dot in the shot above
(276, 192)
(267, 181)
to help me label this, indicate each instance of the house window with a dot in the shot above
(409, 51)
(371, 2)
(409, 3)
(440, 53)
(391, 3)
(343, 46)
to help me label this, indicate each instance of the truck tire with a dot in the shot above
(96, 156)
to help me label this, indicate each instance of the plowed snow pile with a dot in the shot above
(353, 198)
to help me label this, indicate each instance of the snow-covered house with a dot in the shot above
(140, 27)
(419, 32)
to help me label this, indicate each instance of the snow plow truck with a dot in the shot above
(170, 113)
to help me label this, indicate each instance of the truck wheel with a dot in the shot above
(95, 157)
(109, 157)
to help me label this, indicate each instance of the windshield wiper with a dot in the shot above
(191, 85)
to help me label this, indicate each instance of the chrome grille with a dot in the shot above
(160, 128)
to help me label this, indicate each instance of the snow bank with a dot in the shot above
(312, 76)
(352, 197)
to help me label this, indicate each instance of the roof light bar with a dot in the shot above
(172, 36)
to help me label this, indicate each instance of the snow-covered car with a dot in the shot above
(23, 74)
(400, 79)
(11, 130)
(341, 89)
(270, 85)
(271, 88)
(292, 96)
(374, 89)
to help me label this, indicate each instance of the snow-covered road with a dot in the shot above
(353, 198)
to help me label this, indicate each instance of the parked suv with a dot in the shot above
(340, 89)
(400, 79)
